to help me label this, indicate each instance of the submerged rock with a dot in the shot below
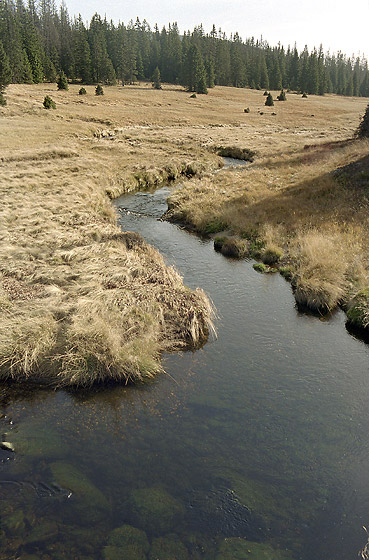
(220, 512)
(239, 549)
(88, 501)
(36, 439)
(127, 542)
(168, 548)
(155, 510)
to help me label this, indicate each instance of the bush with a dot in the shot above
(99, 90)
(363, 130)
(304, 95)
(282, 96)
(266, 93)
(82, 91)
(269, 100)
(193, 96)
(49, 103)
(62, 82)
(2, 100)
(247, 110)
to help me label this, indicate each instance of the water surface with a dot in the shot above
(261, 435)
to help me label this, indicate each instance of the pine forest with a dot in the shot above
(40, 42)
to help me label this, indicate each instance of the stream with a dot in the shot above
(261, 436)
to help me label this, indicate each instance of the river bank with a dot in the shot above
(76, 294)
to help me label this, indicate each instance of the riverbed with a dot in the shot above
(261, 435)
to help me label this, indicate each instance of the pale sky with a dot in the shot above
(337, 24)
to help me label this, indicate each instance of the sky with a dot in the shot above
(337, 24)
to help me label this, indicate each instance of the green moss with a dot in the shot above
(44, 531)
(259, 267)
(358, 309)
(238, 549)
(129, 536)
(155, 510)
(128, 553)
(13, 524)
(89, 503)
(168, 548)
(214, 226)
(286, 272)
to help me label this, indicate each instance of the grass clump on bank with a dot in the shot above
(82, 302)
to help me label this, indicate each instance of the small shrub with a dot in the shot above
(282, 96)
(49, 103)
(62, 82)
(266, 93)
(99, 90)
(2, 100)
(235, 248)
(82, 91)
(304, 95)
(247, 110)
(272, 255)
(269, 101)
(193, 96)
(219, 242)
(286, 272)
(363, 130)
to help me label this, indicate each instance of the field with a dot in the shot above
(81, 301)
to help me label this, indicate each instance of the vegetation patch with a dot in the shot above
(236, 152)
(358, 309)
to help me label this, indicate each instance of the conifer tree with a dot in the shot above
(5, 71)
(269, 100)
(156, 79)
(62, 82)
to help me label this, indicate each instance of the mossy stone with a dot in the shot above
(155, 510)
(36, 439)
(129, 536)
(13, 523)
(42, 532)
(238, 549)
(130, 552)
(89, 502)
(168, 548)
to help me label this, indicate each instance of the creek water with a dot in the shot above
(261, 435)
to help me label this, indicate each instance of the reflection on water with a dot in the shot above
(257, 443)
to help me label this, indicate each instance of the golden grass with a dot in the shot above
(81, 301)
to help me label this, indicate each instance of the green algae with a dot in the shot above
(168, 548)
(155, 510)
(127, 542)
(35, 439)
(236, 548)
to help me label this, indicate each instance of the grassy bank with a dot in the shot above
(80, 301)
(302, 204)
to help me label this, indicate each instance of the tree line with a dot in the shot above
(38, 42)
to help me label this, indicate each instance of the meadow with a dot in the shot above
(82, 301)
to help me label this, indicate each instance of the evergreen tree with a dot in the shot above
(195, 71)
(62, 82)
(5, 71)
(269, 100)
(156, 79)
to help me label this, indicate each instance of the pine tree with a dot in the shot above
(62, 82)
(5, 71)
(269, 100)
(195, 71)
(156, 79)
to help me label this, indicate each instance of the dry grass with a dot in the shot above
(79, 300)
